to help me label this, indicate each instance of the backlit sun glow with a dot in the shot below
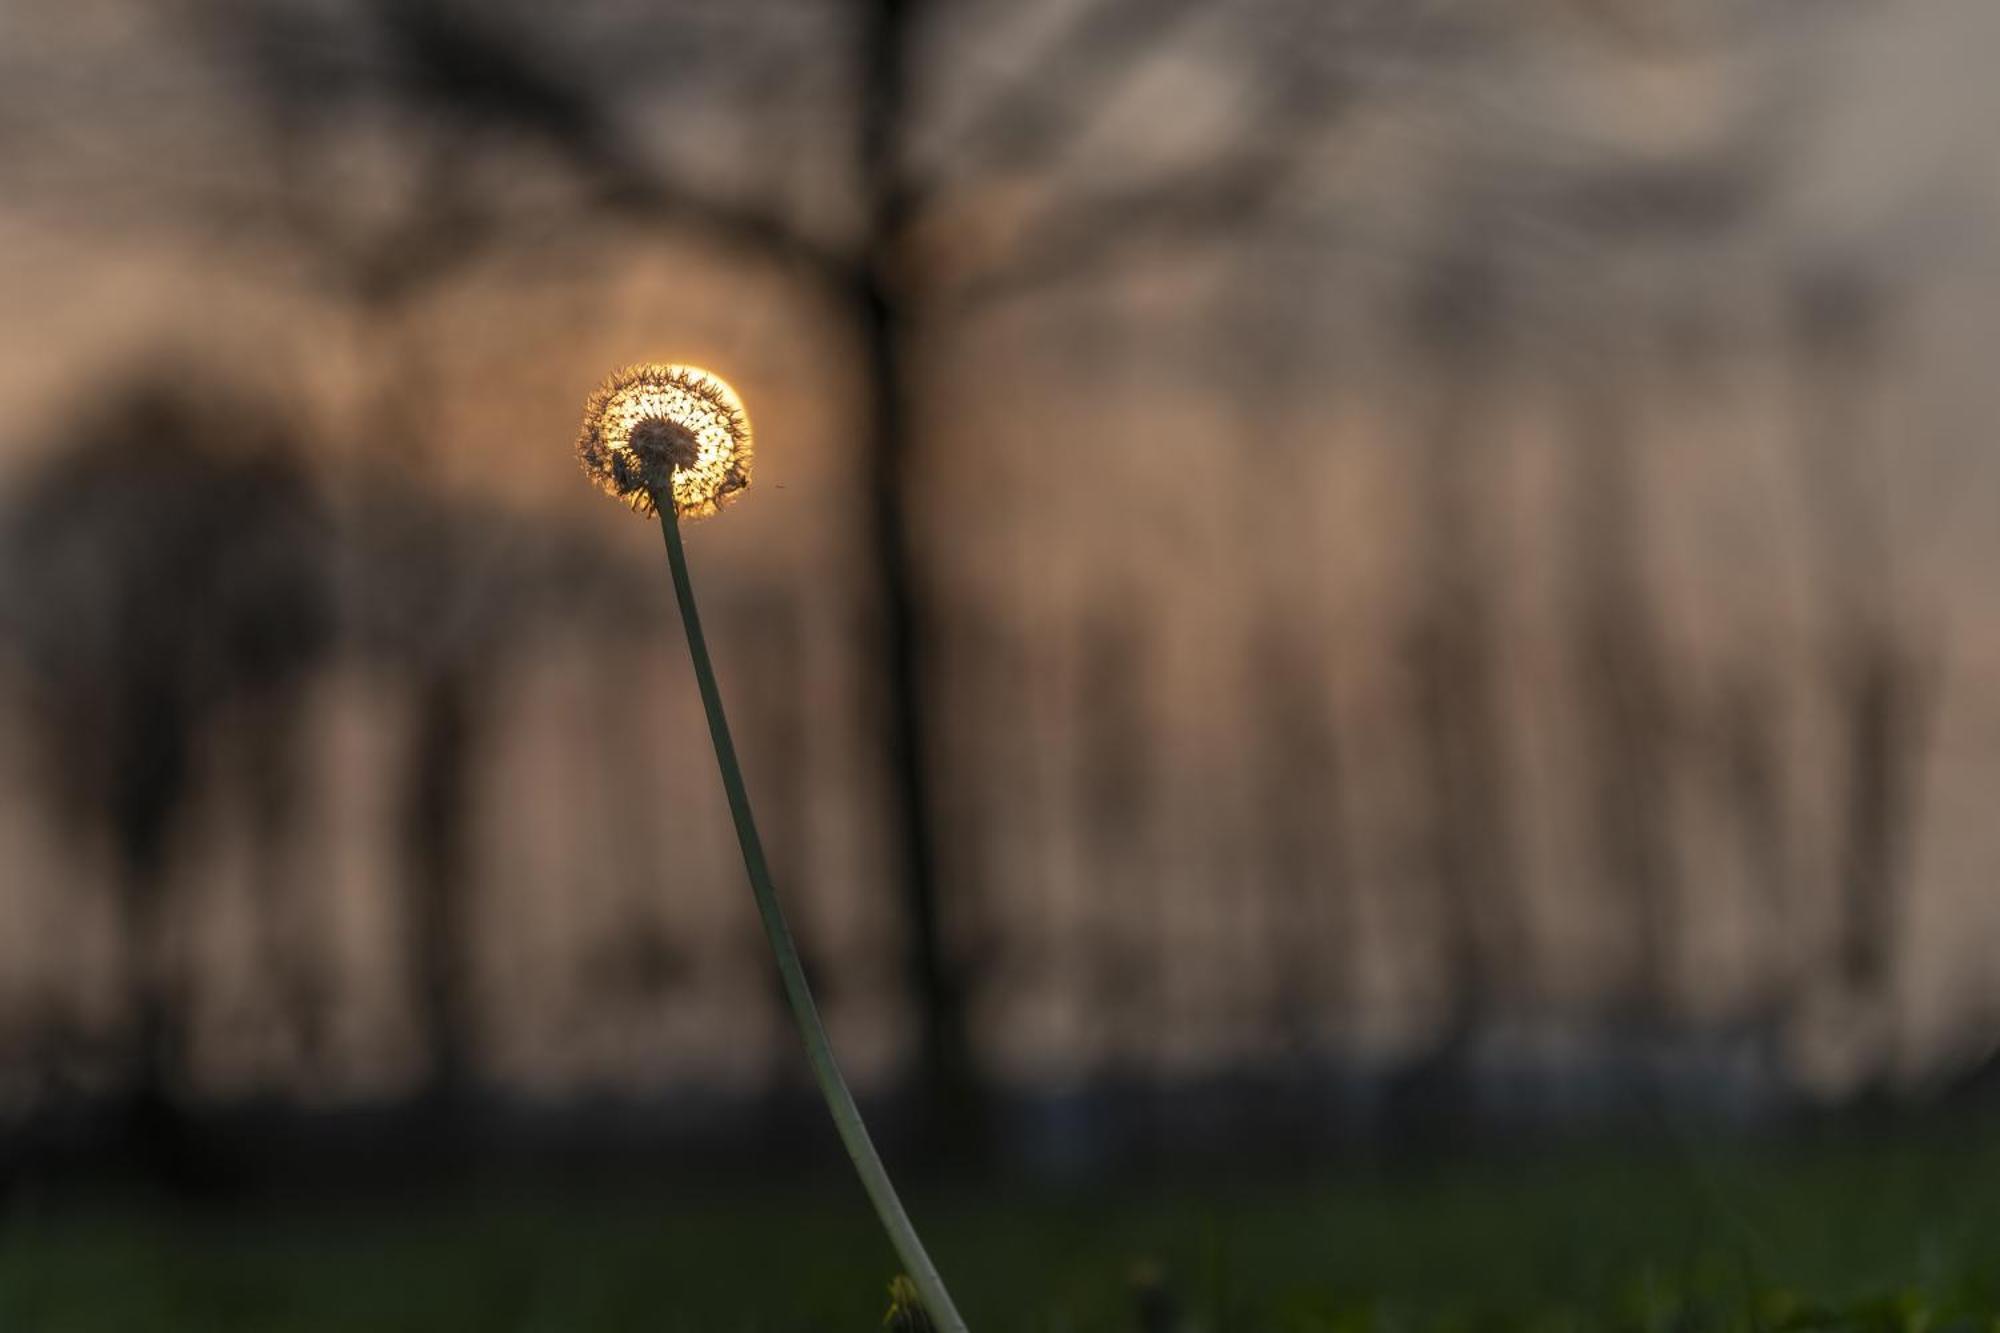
(657, 433)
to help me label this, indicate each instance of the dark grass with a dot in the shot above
(1898, 1234)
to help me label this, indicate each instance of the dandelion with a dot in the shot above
(675, 441)
(666, 437)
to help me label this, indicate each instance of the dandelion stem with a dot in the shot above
(819, 1051)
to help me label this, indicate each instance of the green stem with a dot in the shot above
(846, 1115)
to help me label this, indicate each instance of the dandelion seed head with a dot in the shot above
(657, 434)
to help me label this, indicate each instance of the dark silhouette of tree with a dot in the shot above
(1128, 971)
(1879, 678)
(171, 570)
(1746, 743)
(173, 582)
(1457, 326)
(1300, 796)
(1624, 703)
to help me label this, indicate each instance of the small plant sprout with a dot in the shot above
(675, 441)
(906, 1309)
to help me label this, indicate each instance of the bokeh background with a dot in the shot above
(1330, 583)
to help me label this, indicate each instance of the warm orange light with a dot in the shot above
(656, 431)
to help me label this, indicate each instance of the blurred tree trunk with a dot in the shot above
(271, 736)
(1880, 693)
(1754, 783)
(1124, 964)
(1301, 838)
(155, 1130)
(1301, 829)
(1460, 732)
(883, 309)
(1300, 820)
(1626, 707)
(438, 813)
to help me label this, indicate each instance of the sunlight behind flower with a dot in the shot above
(654, 428)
